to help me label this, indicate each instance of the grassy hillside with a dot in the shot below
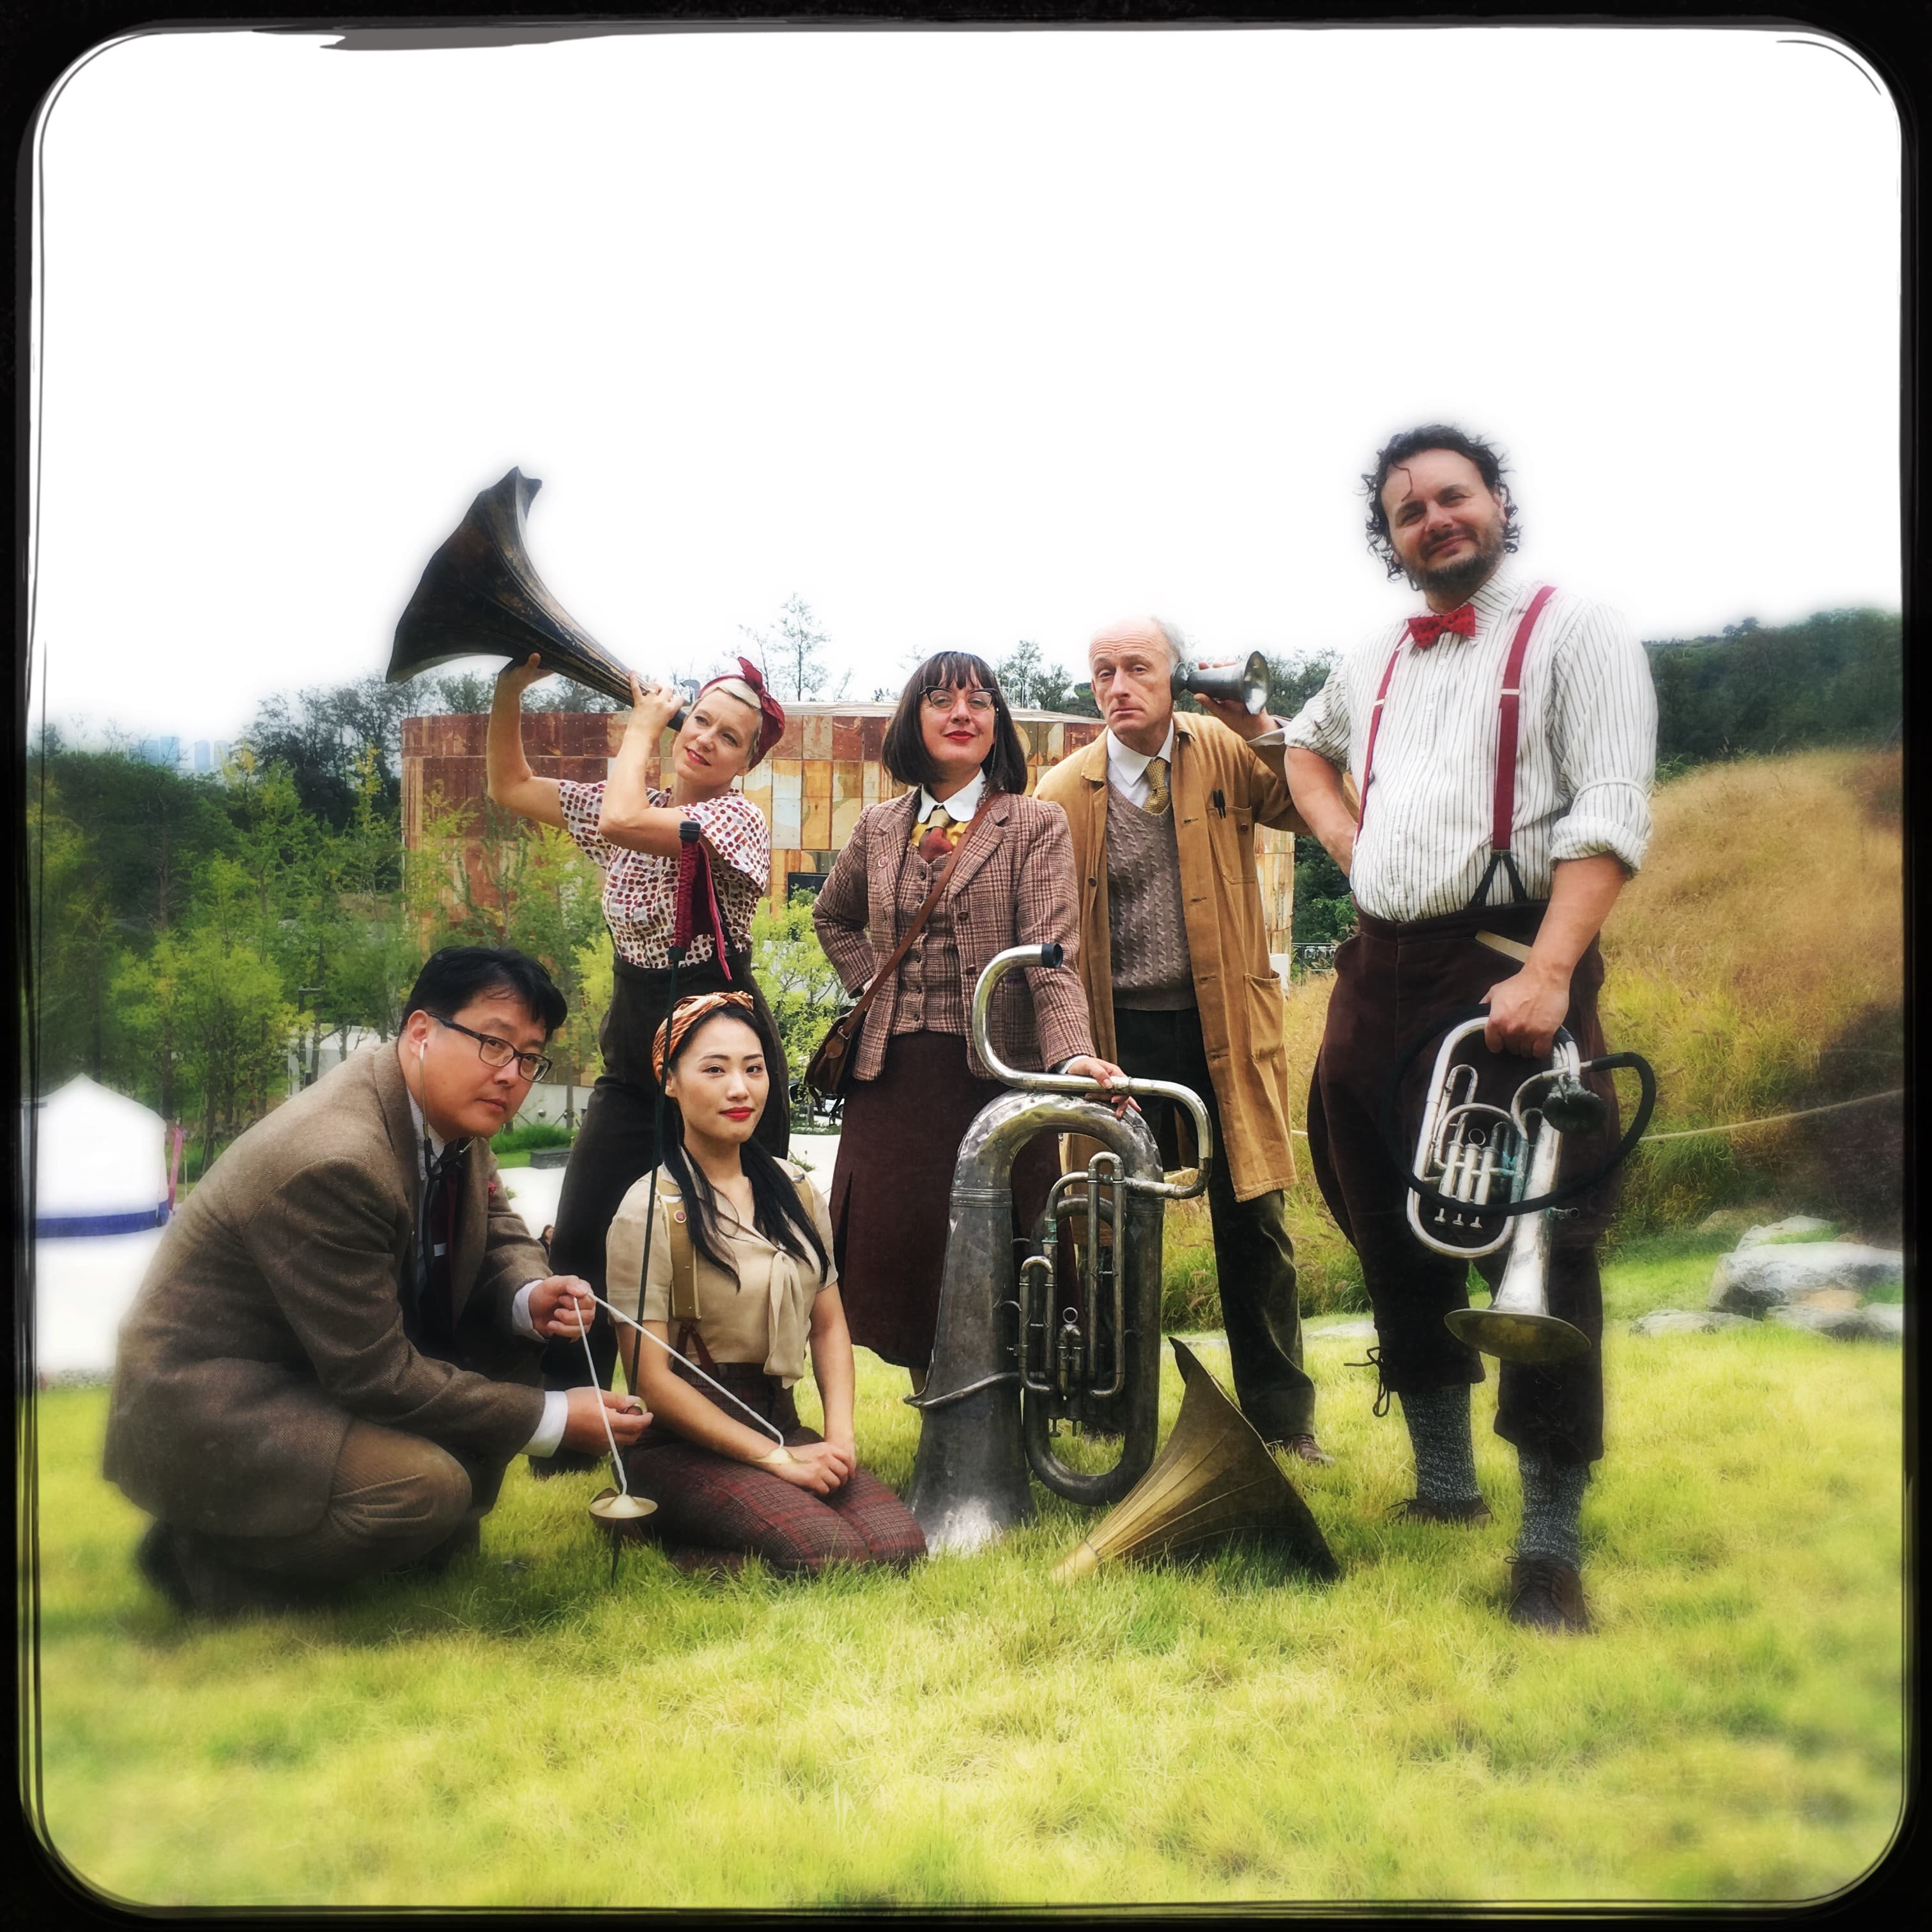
(1757, 962)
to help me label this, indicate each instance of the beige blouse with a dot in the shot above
(764, 1316)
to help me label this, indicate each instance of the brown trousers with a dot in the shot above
(1394, 983)
(393, 1498)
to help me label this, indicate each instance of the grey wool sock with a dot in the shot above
(1438, 1434)
(1552, 1499)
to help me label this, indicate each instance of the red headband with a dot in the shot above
(771, 713)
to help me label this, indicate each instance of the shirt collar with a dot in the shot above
(1497, 593)
(962, 805)
(1125, 766)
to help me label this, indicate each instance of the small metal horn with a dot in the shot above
(1234, 681)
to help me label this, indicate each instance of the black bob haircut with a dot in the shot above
(450, 979)
(1398, 449)
(778, 1210)
(904, 752)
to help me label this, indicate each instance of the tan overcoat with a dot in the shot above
(1239, 996)
(271, 1315)
(1011, 885)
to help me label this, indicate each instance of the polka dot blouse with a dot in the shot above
(641, 888)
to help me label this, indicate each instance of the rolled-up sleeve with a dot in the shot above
(1604, 727)
(1322, 725)
(581, 804)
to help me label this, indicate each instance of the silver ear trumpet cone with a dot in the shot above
(1242, 681)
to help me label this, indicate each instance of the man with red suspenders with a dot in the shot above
(1504, 743)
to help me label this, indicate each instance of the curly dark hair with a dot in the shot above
(904, 754)
(1398, 449)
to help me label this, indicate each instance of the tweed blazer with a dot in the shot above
(270, 1316)
(1011, 885)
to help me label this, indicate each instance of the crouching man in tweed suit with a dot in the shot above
(335, 1353)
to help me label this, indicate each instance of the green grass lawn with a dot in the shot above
(519, 1733)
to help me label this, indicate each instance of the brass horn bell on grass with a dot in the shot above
(1215, 1480)
(479, 594)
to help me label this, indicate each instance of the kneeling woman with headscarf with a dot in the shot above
(733, 1267)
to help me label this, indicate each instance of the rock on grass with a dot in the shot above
(1752, 1281)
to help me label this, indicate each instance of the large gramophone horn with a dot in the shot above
(479, 594)
(1215, 1480)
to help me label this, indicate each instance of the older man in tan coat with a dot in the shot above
(1173, 956)
(334, 1354)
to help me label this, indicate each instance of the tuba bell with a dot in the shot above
(1213, 1481)
(1244, 682)
(1013, 1359)
(1477, 1164)
(479, 594)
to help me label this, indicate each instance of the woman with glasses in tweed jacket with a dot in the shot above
(916, 1083)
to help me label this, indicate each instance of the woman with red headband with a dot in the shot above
(728, 1261)
(630, 828)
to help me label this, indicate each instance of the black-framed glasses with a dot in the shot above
(495, 1052)
(940, 698)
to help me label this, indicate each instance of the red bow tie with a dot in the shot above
(1423, 631)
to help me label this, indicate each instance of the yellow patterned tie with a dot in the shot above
(933, 840)
(1159, 797)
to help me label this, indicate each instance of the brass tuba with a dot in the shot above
(1011, 1360)
(480, 594)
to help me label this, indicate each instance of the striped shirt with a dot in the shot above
(1584, 760)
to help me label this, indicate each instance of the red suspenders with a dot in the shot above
(1503, 810)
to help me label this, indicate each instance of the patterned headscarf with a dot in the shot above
(747, 686)
(689, 1013)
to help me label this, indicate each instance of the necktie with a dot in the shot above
(1423, 631)
(1159, 796)
(938, 839)
(433, 1324)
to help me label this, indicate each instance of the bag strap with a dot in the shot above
(850, 1020)
(683, 1262)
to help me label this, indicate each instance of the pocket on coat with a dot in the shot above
(1234, 851)
(1267, 1017)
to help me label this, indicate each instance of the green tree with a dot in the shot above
(75, 947)
(1030, 683)
(802, 990)
(792, 653)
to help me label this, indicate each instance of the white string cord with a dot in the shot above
(603, 1414)
(1738, 1127)
(758, 1421)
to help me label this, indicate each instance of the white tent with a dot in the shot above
(100, 1195)
(101, 1163)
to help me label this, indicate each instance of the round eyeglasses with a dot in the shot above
(495, 1052)
(940, 698)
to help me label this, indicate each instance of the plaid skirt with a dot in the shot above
(708, 1501)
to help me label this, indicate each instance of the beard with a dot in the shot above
(1459, 579)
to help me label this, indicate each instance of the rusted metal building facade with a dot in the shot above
(824, 771)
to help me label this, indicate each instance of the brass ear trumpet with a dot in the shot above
(480, 596)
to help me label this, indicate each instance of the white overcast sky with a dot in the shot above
(965, 337)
